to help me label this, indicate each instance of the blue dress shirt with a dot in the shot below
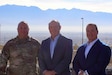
(53, 44)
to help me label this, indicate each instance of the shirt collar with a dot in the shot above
(56, 38)
(91, 43)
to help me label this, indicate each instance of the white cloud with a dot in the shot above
(92, 5)
(71, 29)
(95, 6)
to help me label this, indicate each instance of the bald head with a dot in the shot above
(23, 30)
(22, 23)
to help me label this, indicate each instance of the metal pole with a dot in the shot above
(82, 28)
(0, 34)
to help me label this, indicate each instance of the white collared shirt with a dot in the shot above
(88, 47)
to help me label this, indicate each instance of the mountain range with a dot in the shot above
(10, 15)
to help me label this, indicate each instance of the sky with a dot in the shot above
(91, 5)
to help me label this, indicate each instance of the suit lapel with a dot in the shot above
(93, 50)
(84, 51)
(48, 50)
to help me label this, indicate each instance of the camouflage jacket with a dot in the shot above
(21, 56)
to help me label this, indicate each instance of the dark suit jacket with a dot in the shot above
(61, 58)
(96, 61)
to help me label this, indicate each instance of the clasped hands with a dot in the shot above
(47, 72)
(81, 72)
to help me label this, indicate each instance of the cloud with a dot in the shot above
(92, 5)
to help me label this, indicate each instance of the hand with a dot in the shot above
(47, 72)
(81, 72)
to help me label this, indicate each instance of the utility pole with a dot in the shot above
(82, 28)
(0, 34)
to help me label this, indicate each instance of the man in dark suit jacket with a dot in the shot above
(93, 57)
(56, 52)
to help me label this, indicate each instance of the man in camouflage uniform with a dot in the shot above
(21, 53)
